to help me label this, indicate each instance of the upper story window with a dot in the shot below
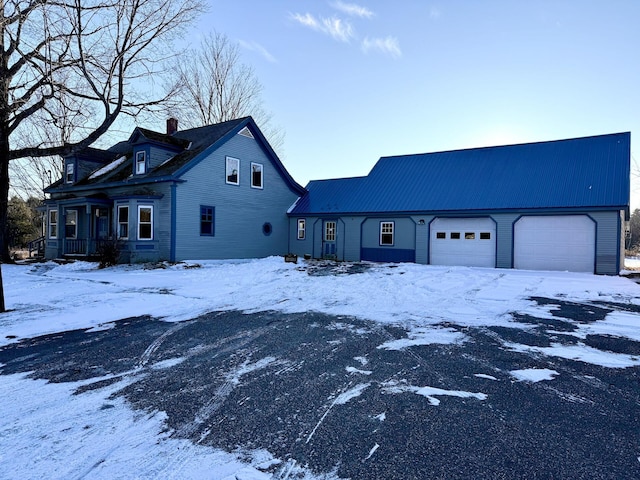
(256, 175)
(386, 233)
(53, 223)
(206, 220)
(69, 173)
(141, 163)
(123, 222)
(302, 228)
(233, 171)
(145, 222)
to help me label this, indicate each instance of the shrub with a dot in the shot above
(108, 252)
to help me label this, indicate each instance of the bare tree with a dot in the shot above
(213, 85)
(29, 176)
(76, 65)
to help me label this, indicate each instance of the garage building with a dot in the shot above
(557, 205)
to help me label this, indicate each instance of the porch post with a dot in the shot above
(88, 229)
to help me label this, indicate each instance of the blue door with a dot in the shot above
(329, 239)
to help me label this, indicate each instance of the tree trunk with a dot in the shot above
(4, 195)
(4, 155)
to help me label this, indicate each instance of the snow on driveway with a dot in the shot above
(49, 432)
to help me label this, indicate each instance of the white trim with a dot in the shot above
(69, 172)
(245, 132)
(303, 222)
(141, 154)
(119, 223)
(230, 171)
(387, 231)
(56, 223)
(140, 223)
(330, 233)
(254, 164)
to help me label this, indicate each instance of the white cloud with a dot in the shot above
(389, 45)
(307, 20)
(337, 28)
(256, 47)
(353, 9)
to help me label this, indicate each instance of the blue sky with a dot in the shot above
(349, 82)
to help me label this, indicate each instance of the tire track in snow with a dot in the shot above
(155, 345)
(223, 391)
(219, 397)
(346, 395)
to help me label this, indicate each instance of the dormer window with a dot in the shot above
(69, 173)
(141, 163)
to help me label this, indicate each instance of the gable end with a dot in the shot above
(245, 132)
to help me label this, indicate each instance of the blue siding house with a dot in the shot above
(212, 192)
(558, 205)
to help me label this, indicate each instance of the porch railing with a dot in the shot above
(37, 246)
(83, 246)
(75, 246)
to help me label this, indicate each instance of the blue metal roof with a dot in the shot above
(589, 172)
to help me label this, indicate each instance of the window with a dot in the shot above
(233, 171)
(53, 223)
(267, 229)
(206, 220)
(329, 231)
(441, 235)
(454, 235)
(141, 164)
(469, 236)
(485, 235)
(123, 222)
(256, 175)
(386, 233)
(145, 222)
(71, 224)
(302, 227)
(69, 173)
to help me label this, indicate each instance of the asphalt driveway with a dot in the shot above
(319, 391)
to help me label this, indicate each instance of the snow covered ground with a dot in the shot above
(43, 428)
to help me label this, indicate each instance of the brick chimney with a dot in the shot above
(172, 126)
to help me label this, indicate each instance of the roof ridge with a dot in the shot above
(521, 144)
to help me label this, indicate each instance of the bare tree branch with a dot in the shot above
(212, 85)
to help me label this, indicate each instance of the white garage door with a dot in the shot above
(463, 241)
(561, 242)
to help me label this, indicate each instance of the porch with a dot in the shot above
(84, 247)
(85, 227)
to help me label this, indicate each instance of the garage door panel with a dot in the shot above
(559, 242)
(463, 241)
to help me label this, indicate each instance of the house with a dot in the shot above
(558, 205)
(212, 192)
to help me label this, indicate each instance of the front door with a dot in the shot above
(329, 239)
